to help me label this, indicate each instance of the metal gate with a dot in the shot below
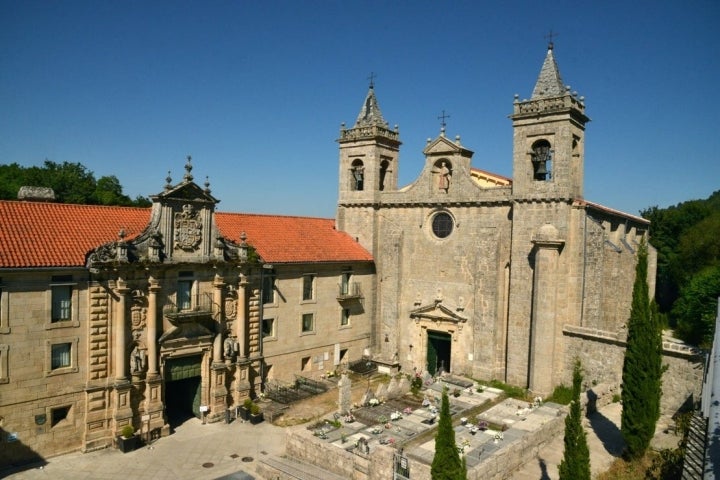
(401, 466)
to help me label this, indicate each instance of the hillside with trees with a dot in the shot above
(71, 182)
(687, 239)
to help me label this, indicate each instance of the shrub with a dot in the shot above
(562, 395)
(127, 431)
(254, 408)
(247, 404)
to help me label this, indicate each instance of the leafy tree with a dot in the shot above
(446, 464)
(575, 464)
(71, 182)
(696, 308)
(642, 367)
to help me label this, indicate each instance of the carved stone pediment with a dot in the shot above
(437, 312)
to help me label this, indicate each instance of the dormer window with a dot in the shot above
(358, 175)
(541, 157)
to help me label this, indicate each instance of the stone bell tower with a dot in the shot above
(548, 138)
(548, 141)
(369, 153)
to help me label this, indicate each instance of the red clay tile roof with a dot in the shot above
(34, 234)
(280, 239)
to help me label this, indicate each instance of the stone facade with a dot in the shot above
(171, 319)
(478, 274)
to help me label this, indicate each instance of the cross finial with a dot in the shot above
(372, 79)
(442, 119)
(550, 37)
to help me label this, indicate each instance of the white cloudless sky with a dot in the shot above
(256, 91)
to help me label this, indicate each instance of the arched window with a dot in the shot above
(383, 172)
(357, 182)
(542, 160)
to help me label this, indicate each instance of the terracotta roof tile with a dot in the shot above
(34, 234)
(281, 239)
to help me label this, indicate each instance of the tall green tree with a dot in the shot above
(446, 464)
(642, 367)
(575, 464)
(696, 309)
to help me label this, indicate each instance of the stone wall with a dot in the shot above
(303, 446)
(602, 353)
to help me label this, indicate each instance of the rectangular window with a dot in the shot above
(268, 287)
(4, 327)
(4, 363)
(59, 414)
(61, 303)
(60, 356)
(345, 317)
(268, 329)
(308, 322)
(308, 287)
(184, 294)
(345, 283)
(305, 364)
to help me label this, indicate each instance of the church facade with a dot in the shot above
(114, 316)
(479, 274)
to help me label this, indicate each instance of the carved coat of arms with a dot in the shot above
(188, 229)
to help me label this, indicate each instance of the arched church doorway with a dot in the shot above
(439, 347)
(183, 383)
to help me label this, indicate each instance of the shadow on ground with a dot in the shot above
(608, 433)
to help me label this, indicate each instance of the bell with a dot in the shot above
(540, 171)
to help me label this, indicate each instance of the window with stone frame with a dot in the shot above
(442, 224)
(268, 286)
(308, 292)
(308, 322)
(185, 290)
(4, 377)
(61, 356)
(59, 414)
(61, 310)
(345, 317)
(268, 328)
(4, 327)
(345, 280)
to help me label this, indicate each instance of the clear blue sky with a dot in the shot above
(256, 91)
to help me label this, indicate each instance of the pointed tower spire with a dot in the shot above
(549, 83)
(370, 113)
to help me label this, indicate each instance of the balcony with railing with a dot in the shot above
(189, 309)
(349, 291)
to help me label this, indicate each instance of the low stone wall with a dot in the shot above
(302, 445)
(602, 354)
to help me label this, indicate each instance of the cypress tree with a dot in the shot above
(575, 464)
(642, 367)
(446, 464)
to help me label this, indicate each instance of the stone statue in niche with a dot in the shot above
(444, 175)
(229, 347)
(137, 359)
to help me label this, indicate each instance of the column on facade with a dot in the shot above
(218, 285)
(152, 328)
(241, 327)
(120, 330)
(542, 340)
